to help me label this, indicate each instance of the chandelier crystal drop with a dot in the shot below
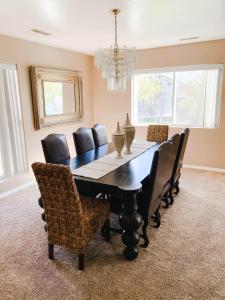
(116, 63)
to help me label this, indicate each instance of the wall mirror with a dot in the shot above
(56, 96)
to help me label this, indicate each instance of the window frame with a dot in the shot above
(173, 70)
(18, 103)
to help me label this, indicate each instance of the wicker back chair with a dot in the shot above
(72, 220)
(157, 133)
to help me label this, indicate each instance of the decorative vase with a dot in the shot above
(118, 138)
(129, 131)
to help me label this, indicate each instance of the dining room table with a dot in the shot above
(124, 182)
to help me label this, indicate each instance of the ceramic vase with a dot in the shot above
(129, 131)
(118, 138)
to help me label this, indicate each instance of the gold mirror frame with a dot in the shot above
(40, 74)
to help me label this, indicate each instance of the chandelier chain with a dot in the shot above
(116, 63)
(116, 44)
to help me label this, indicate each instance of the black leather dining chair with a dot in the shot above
(166, 179)
(179, 161)
(55, 148)
(157, 186)
(149, 200)
(83, 140)
(99, 134)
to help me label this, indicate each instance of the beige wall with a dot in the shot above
(24, 54)
(206, 147)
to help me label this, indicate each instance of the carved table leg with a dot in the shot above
(130, 221)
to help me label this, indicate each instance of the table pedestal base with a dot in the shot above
(130, 221)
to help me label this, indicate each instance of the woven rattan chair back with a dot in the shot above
(63, 210)
(157, 133)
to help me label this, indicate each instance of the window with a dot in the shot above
(12, 147)
(185, 96)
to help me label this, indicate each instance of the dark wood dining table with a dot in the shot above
(125, 182)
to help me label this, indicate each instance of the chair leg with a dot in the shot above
(171, 196)
(105, 231)
(51, 251)
(81, 261)
(165, 198)
(144, 235)
(157, 218)
(43, 217)
(116, 230)
(40, 202)
(177, 188)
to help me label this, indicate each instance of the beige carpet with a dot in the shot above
(185, 260)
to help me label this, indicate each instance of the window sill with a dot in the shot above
(177, 126)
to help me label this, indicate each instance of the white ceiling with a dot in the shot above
(84, 25)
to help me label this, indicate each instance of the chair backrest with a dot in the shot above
(83, 140)
(99, 134)
(161, 171)
(55, 148)
(174, 146)
(63, 210)
(185, 135)
(154, 185)
(157, 133)
(160, 163)
(180, 152)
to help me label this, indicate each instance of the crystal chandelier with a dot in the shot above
(116, 63)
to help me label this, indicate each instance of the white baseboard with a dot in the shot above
(204, 168)
(17, 189)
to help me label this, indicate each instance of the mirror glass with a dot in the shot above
(58, 98)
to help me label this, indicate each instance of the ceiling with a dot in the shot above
(84, 25)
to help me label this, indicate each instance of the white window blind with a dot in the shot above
(186, 96)
(12, 146)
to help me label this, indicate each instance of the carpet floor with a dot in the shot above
(185, 258)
